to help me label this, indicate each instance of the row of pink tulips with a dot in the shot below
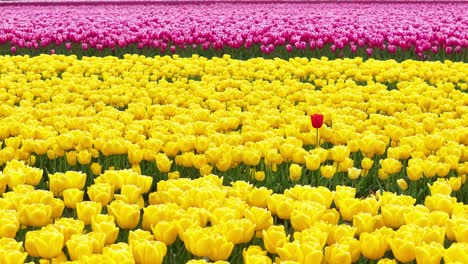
(440, 28)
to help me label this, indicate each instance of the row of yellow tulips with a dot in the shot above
(400, 123)
(121, 218)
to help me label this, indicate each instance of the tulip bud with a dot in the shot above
(295, 172)
(402, 184)
(328, 171)
(316, 120)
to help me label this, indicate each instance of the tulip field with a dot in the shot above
(233, 132)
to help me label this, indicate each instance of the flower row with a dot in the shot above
(316, 29)
(109, 220)
(228, 114)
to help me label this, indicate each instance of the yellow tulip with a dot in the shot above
(390, 166)
(12, 256)
(414, 172)
(259, 197)
(153, 214)
(255, 255)
(455, 183)
(280, 205)
(14, 178)
(126, 215)
(86, 210)
(402, 184)
(345, 165)
(438, 218)
(442, 169)
(349, 208)
(393, 215)
(342, 193)
(237, 231)
(339, 153)
(135, 155)
(440, 202)
(295, 172)
(435, 234)
(79, 245)
(62, 181)
(165, 232)
(366, 163)
(9, 223)
(456, 253)
(403, 249)
(331, 216)
(370, 205)
(259, 176)
(98, 258)
(261, 217)
(274, 237)
(440, 187)
(83, 157)
(327, 171)
(418, 218)
(130, 194)
(33, 176)
(173, 175)
(139, 234)
(71, 158)
(105, 224)
(96, 168)
(461, 232)
(3, 182)
(37, 215)
(145, 251)
(339, 233)
(290, 251)
(68, 227)
(120, 253)
(373, 245)
(99, 240)
(202, 243)
(338, 253)
(387, 261)
(313, 162)
(364, 222)
(354, 248)
(101, 193)
(72, 196)
(354, 173)
(163, 163)
(45, 244)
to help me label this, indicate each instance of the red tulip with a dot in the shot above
(317, 120)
